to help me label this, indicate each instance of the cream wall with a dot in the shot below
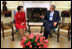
(11, 4)
(60, 5)
(63, 5)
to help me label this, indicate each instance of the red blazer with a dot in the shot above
(19, 19)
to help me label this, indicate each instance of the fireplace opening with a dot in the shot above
(33, 14)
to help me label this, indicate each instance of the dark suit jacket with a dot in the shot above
(56, 16)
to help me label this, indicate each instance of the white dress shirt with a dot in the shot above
(51, 16)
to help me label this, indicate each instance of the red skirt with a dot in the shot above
(18, 26)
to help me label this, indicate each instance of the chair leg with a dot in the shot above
(69, 32)
(57, 38)
(28, 26)
(29, 29)
(58, 34)
(3, 33)
(12, 32)
(2, 29)
(26, 30)
(68, 36)
(12, 36)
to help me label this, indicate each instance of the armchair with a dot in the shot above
(13, 25)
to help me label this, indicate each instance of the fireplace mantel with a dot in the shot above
(37, 4)
(36, 1)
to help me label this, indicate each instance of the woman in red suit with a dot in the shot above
(20, 21)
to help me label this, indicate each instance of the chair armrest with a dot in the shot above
(60, 21)
(12, 24)
(12, 21)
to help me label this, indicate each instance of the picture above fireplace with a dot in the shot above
(33, 14)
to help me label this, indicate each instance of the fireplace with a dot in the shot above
(33, 14)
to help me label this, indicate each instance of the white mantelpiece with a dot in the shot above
(41, 4)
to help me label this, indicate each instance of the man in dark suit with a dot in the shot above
(51, 20)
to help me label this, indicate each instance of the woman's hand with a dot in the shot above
(22, 23)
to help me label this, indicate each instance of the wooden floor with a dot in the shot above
(52, 42)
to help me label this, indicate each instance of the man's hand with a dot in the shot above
(22, 23)
(42, 16)
(55, 23)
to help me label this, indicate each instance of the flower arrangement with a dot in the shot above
(34, 41)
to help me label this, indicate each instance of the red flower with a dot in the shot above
(26, 36)
(36, 34)
(41, 42)
(30, 46)
(31, 36)
(46, 41)
(38, 44)
(29, 43)
(22, 42)
(36, 38)
(44, 38)
(24, 39)
(40, 47)
(41, 39)
(45, 46)
(40, 34)
(23, 46)
(35, 47)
